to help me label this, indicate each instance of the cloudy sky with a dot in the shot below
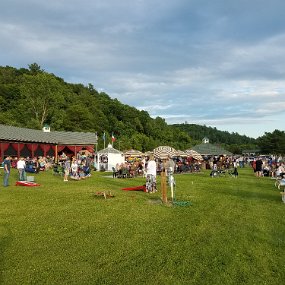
(218, 63)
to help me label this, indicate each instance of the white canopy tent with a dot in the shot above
(109, 157)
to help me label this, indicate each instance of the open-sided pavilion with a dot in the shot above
(17, 142)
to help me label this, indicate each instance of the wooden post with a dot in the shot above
(33, 153)
(1, 152)
(18, 151)
(163, 184)
(55, 154)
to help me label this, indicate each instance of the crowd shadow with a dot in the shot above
(5, 241)
(270, 195)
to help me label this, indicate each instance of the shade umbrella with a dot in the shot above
(133, 153)
(164, 152)
(181, 153)
(194, 154)
(148, 153)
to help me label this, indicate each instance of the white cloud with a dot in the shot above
(214, 63)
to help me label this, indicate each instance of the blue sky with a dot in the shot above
(218, 63)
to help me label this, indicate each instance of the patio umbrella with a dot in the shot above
(133, 153)
(148, 153)
(181, 153)
(194, 154)
(163, 152)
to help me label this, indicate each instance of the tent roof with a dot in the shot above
(10, 133)
(194, 154)
(210, 149)
(181, 153)
(109, 149)
(164, 152)
(133, 152)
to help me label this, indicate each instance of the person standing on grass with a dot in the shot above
(170, 164)
(235, 164)
(66, 169)
(21, 164)
(7, 168)
(74, 169)
(258, 167)
(151, 175)
(253, 164)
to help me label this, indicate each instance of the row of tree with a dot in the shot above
(31, 97)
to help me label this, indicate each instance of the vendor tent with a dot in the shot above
(194, 154)
(133, 153)
(181, 153)
(164, 152)
(109, 157)
(148, 153)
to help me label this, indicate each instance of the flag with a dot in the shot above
(104, 139)
(113, 138)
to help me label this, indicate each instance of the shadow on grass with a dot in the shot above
(250, 195)
(5, 241)
(154, 201)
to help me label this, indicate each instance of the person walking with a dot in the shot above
(7, 168)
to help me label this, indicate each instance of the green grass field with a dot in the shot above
(61, 233)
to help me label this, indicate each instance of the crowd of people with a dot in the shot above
(268, 167)
(263, 166)
(129, 169)
(76, 168)
(79, 166)
(24, 166)
(149, 167)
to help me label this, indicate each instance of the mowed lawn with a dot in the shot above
(61, 233)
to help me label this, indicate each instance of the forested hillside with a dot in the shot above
(198, 132)
(232, 141)
(31, 97)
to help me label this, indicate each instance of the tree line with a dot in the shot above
(31, 97)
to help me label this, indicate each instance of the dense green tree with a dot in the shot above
(272, 143)
(42, 94)
(35, 68)
(233, 142)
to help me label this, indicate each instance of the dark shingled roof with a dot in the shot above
(16, 134)
(210, 149)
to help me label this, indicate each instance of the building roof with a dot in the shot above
(110, 149)
(16, 134)
(210, 149)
